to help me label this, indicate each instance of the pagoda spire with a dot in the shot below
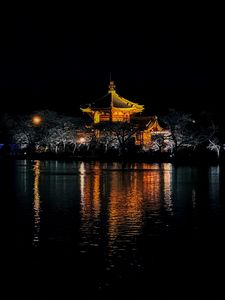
(111, 83)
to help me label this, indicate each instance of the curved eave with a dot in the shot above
(133, 106)
(132, 103)
(86, 110)
(128, 102)
(154, 125)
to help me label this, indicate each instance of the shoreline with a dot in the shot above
(122, 159)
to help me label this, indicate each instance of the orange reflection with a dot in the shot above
(132, 191)
(124, 203)
(90, 190)
(82, 175)
(90, 202)
(36, 203)
(128, 194)
(167, 177)
(96, 190)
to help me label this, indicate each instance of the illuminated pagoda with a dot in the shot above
(112, 108)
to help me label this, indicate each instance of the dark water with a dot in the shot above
(86, 230)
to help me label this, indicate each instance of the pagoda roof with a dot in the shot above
(113, 100)
(149, 123)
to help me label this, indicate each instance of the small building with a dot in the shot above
(148, 126)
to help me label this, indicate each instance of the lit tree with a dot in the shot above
(213, 142)
(207, 134)
(214, 146)
(118, 135)
(21, 139)
(61, 135)
(157, 143)
(24, 132)
(44, 129)
(192, 134)
(182, 129)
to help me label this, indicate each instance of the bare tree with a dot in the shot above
(157, 143)
(214, 146)
(119, 135)
(181, 128)
(53, 129)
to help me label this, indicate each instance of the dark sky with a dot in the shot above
(60, 59)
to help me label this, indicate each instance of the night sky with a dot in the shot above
(170, 58)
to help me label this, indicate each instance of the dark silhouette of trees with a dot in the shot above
(119, 135)
(53, 134)
(185, 136)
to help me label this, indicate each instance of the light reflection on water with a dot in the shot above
(36, 203)
(109, 214)
(116, 202)
(119, 199)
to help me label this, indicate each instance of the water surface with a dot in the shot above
(100, 229)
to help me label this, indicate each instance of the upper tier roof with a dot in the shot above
(112, 99)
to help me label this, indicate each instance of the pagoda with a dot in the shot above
(148, 126)
(112, 108)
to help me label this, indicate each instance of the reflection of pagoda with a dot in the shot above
(112, 107)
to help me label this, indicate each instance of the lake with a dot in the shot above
(107, 229)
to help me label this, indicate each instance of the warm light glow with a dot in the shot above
(96, 189)
(167, 177)
(90, 205)
(82, 140)
(122, 195)
(36, 120)
(82, 174)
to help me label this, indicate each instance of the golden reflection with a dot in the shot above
(124, 204)
(151, 185)
(167, 177)
(90, 203)
(96, 190)
(132, 191)
(82, 175)
(90, 190)
(36, 203)
(125, 195)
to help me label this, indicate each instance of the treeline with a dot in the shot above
(186, 137)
